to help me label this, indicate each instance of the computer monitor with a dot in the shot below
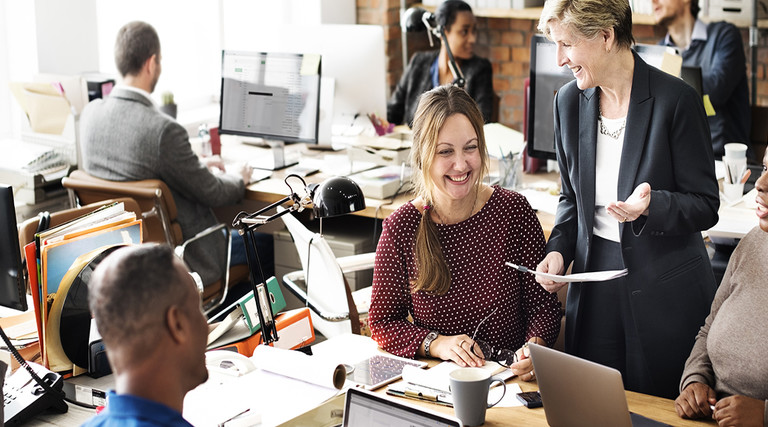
(546, 78)
(275, 96)
(13, 288)
(354, 67)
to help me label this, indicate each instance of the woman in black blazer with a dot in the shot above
(638, 187)
(430, 69)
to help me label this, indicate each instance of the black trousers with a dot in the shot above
(606, 329)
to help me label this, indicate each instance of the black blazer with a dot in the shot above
(667, 144)
(417, 79)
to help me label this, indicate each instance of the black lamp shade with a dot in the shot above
(337, 196)
(412, 20)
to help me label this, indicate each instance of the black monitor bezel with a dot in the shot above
(531, 108)
(287, 140)
(9, 242)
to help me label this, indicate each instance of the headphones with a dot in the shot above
(45, 221)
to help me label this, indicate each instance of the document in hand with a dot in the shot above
(595, 276)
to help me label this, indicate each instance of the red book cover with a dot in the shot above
(34, 287)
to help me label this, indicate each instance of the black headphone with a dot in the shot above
(45, 221)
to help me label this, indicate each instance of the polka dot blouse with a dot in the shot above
(505, 229)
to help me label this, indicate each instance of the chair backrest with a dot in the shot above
(158, 209)
(325, 281)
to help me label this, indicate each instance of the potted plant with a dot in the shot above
(168, 106)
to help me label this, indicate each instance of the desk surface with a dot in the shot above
(653, 407)
(273, 189)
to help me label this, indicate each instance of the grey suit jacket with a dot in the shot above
(667, 144)
(126, 138)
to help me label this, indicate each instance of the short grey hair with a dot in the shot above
(590, 17)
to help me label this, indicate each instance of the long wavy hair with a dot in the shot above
(435, 107)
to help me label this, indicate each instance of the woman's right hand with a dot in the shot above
(553, 264)
(457, 348)
(695, 400)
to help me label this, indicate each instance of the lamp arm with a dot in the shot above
(458, 76)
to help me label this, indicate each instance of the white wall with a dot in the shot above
(75, 36)
(66, 36)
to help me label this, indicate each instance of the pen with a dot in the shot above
(746, 175)
(518, 267)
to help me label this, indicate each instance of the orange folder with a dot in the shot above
(294, 330)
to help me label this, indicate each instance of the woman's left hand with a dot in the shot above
(636, 205)
(523, 368)
(739, 411)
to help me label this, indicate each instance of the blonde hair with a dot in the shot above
(590, 17)
(435, 107)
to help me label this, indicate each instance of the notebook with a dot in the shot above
(364, 408)
(577, 392)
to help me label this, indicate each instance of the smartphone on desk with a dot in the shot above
(531, 399)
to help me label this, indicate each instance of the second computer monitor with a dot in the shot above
(275, 96)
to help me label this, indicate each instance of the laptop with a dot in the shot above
(365, 408)
(577, 392)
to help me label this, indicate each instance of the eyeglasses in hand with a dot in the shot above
(483, 350)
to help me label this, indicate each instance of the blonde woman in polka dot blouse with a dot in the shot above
(439, 268)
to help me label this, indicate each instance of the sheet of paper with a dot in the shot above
(510, 397)
(436, 377)
(595, 276)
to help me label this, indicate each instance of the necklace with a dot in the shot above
(604, 130)
(474, 204)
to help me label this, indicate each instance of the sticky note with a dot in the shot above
(310, 64)
(708, 106)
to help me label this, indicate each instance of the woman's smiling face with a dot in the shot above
(456, 166)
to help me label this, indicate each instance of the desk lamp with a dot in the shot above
(417, 19)
(333, 197)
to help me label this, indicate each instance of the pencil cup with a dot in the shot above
(733, 192)
(735, 161)
(511, 171)
(469, 389)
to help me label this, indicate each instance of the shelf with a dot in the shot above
(533, 14)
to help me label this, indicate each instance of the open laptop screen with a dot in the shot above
(364, 408)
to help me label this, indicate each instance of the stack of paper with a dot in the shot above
(59, 254)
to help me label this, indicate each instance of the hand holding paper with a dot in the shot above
(596, 276)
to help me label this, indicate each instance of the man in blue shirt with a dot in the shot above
(147, 308)
(718, 49)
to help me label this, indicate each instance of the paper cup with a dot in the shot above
(735, 150)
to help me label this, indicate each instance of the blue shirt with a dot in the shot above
(124, 410)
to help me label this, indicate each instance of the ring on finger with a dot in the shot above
(461, 343)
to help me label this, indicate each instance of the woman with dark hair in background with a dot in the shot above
(430, 69)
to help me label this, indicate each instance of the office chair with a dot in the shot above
(158, 211)
(327, 293)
